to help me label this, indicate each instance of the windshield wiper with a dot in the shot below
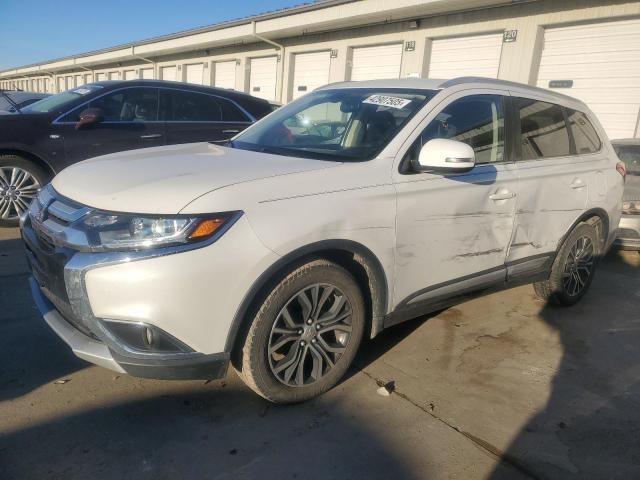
(10, 100)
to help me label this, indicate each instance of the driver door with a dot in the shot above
(453, 230)
(129, 122)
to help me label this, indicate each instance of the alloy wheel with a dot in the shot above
(17, 188)
(310, 335)
(578, 267)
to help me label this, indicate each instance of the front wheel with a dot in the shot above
(305, 334)
(573, 269)
(20, 181)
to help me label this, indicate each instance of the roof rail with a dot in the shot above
(505, 83)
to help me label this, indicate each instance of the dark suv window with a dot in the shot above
(477, 120)
(181, 106)
(584, 134)
(544, 131)
(129, 105)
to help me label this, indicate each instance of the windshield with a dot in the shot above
(55, 102)
(352, 124)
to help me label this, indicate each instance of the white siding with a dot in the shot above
(603, 60)
(168, 73)
(370, 63)
(311, 70)
(194, 73)
(225, 74)
(263, 76)
(477, 55)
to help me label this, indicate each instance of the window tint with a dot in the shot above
(477, 120)
(231, 113)
(130, 105)
(584, 134)
(181, 106)
(544, 132)
(630, 155)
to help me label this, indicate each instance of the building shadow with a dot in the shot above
(590, 425)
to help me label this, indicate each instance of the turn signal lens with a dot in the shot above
(622, 169)
(206, 228)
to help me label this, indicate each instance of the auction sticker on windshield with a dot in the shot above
(386, 101)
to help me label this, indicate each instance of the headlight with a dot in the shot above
(108, 231)
(631, 207)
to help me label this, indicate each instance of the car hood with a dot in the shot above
(162, 180)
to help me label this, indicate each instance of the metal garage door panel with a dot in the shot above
(146, 73)
(168, 73)
(130, 75)
(114, 75)
(603, 60)
(370, 63)
(311, 70)
(101, 77)
(194, 73)
(477, 55)
(263, 77)
(225, 74)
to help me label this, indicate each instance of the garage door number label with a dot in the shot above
(385, 101)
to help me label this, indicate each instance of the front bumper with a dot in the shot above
(193, 366)
(628, 235)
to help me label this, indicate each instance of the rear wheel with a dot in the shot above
(573, 269)
(305, 334)
(20, 181)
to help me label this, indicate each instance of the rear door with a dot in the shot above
(556, 183)
(130, 122)
(198, 117)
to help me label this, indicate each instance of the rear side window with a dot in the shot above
(181, 106)
(543, 130)
(630, 155)
(231, 113)
(584, 134)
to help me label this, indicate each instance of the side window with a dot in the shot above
(231, 113)
(543, 129)
(182, 106)
(129, 105)
(584, 134)
(477, 120)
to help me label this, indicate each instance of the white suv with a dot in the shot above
(354, 208)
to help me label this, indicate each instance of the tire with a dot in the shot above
(20, 181)
(272, 372)
(569, 281)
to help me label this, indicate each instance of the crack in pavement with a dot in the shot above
(482, 444)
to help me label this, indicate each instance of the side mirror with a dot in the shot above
(441, 155)
(90, 116)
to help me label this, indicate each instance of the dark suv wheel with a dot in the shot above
(305, 334)
(573, 269)
(20, 181)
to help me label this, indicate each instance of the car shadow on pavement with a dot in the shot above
(589, 426)
(31, 355)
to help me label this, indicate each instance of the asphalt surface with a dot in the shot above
(499, 387)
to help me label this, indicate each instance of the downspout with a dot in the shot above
(281, 48)
(133, 53)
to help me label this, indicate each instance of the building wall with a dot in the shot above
(518, 62)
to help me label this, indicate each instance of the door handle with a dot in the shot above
(502, 196)
(151, 135)
(230, 131)
(577, 183)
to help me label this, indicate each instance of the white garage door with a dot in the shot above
(114, 75)
(79, 80)
(225, 74)
(101, 77)
(130, 75)
(371, 63)
(146, 73)
(477, 55)
(168, 73)
(311, 70)
(603, 61)
(194, 73)
(263, 77)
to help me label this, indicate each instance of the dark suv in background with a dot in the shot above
(107, 117)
